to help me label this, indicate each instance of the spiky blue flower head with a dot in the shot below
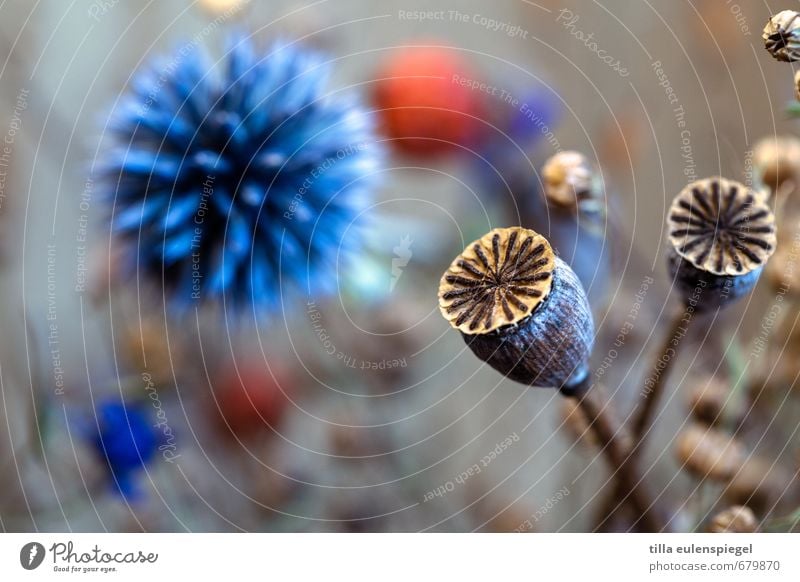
(125, 440)
(234, 179)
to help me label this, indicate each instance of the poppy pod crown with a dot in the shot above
(721, 234)
(520, 308)
(782, 36)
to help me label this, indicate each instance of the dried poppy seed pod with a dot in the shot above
(782, 36)
(571, 181)
(520, 308)
(709, 453)
(721, 235)
(735, 519)
(776, 161)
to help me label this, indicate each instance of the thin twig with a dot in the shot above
(658, 374)
(659, 370)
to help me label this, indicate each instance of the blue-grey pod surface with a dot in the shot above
(721, 234)
(520, 308)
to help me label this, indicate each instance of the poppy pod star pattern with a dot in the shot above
(520, 308)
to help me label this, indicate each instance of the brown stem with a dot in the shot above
(629, 481)
(667, 354)
(644, 414)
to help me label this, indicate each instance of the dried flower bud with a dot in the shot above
(707, 452)
(707, 400)
(782, 36)
(776, 161)
(735, 519)
(571, 181)
(520, 308)
(721, 236)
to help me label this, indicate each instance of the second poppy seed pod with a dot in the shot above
(721, 235)
(520, 308)
(782, 36)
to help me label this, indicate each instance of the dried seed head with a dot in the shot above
(776, 161)
(782, 36)
(571, 181)
(498, 280)
(707, 400)
(721, 235)
(520, 308)
(707, 452)
(720, 227)
(735, 519)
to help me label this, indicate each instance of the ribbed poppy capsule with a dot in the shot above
(721, 235)
(520, 309)
(782, 36)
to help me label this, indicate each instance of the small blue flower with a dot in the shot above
(126, 441)
(232, 179)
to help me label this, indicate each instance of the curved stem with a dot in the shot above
(659, 370)
(617, 453)
(651, 394)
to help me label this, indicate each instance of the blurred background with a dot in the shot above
(364, 411)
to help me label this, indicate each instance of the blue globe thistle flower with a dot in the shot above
(125, 439)
(233, 178)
